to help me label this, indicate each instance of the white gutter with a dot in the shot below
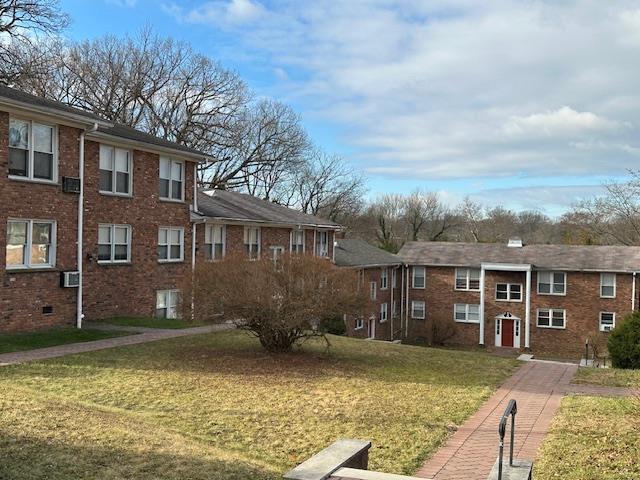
(79, 299)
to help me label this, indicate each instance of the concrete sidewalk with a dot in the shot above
(149, 335)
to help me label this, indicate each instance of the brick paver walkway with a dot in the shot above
(470, 453)
(73, 348)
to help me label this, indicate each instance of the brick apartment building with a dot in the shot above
(380, 272)
(102, 220)
(546, 298)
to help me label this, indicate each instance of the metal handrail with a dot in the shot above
(510, 411)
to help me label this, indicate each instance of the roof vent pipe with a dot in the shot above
(515, 243)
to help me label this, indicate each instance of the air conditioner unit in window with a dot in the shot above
(70, 184)
(607, 328)
(70, 279)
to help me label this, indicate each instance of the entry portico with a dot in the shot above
(507, 267)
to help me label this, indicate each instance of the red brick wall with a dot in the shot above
(108, 290)
(582, 303)
(372, 312)
(130, 289)
(24, 294)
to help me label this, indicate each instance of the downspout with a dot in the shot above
(392, 312)
(79, 299)
(527, 312)
(481, 339)
(195, 187)
(633, 293)
(401, 299)
(406, 323)
(193, 267)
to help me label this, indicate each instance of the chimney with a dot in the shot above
(515, 242)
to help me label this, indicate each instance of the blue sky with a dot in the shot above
(531, 104)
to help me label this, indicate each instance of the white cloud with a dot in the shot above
(231, 13)
(123, 3)
(456, 88)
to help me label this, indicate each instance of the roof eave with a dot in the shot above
(54, 112)
(149, 147)
(212, 219)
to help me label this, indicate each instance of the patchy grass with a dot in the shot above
(149, 322)
(609, 377)
(14, 342)
(217, 406)
(592, 439)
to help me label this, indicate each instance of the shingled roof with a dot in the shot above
(351, 252)
(25, 100)
(541, 257)
(234, 206)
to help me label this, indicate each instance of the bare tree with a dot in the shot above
(281, 303)
(21, 23)
(388, 213)
(427, 217)
(472, 215)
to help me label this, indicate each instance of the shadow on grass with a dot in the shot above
(25, 458)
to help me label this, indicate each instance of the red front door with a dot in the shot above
(507, 333)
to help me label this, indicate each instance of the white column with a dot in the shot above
(481, 340)
(527, 311)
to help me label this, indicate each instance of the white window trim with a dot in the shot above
(31, 151)
(209, 240)
(466, 313)
(113, 192)
(52, 251)
(615, 285)
(551, 272)
(291, 238)
(468, 280)
(551, 310)
(424, 309)
(413, 277)
(184, 180)
(168, 245)
(373, 290)
(258, 239)
(384, 274)
(384, 308)
(170, 291)
(113, 226)
(359, 324)
(394, 277)
(508, 299)
(318, 253)
(600, 326)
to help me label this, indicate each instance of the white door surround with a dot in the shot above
(508, 267)
(516, 329)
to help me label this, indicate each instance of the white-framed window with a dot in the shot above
(170, 244)
(417, 309)
(607, 321)
(167, 303)
(297, 241)
(468, 279)
(32, 151)
(384, 278)
(252, 242)
(552, 283)
(417, 277)
(509, 292)
(115, 170)
(30, 244)
(171, 179)
(372, 290)
(384, 310)
(551, 318)
(215, 240)
(608, 285)
(359, 323)
(466, 313)
(394, 277)
(114, 243)
(322, 243)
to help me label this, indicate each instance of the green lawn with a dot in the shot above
(217, 406)
(152, 322)
(592, 439)
(610, 377)
(14, 342)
